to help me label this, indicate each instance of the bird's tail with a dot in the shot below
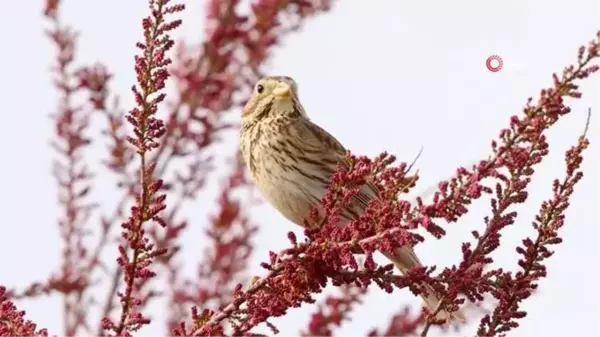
(404, 259)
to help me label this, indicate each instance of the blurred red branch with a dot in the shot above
(406, 323)
(403, 324)
(74, 179)
(334, 311)
(223, 263)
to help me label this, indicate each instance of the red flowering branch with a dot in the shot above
(523, 146)
(151, 76)
(12, 321)
(511, 290)
(328, 254)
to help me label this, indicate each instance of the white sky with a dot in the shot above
(379, 75)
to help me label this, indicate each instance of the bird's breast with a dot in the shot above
(287, 182)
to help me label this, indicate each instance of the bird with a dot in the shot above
(291, 160)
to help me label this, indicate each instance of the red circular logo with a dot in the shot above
(494, 63)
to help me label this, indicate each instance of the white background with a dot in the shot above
(379, 75)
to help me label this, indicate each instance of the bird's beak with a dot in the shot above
(282, 90)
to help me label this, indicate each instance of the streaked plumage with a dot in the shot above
(292, 159)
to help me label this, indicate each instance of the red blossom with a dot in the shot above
(511, 289)
(12, 321)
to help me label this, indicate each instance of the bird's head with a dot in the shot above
(273, 97)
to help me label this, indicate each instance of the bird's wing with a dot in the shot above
(320, 144)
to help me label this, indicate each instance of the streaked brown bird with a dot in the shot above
(291, 161)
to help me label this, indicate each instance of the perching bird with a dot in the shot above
(291, 161)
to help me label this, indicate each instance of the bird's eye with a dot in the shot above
(260, 88)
